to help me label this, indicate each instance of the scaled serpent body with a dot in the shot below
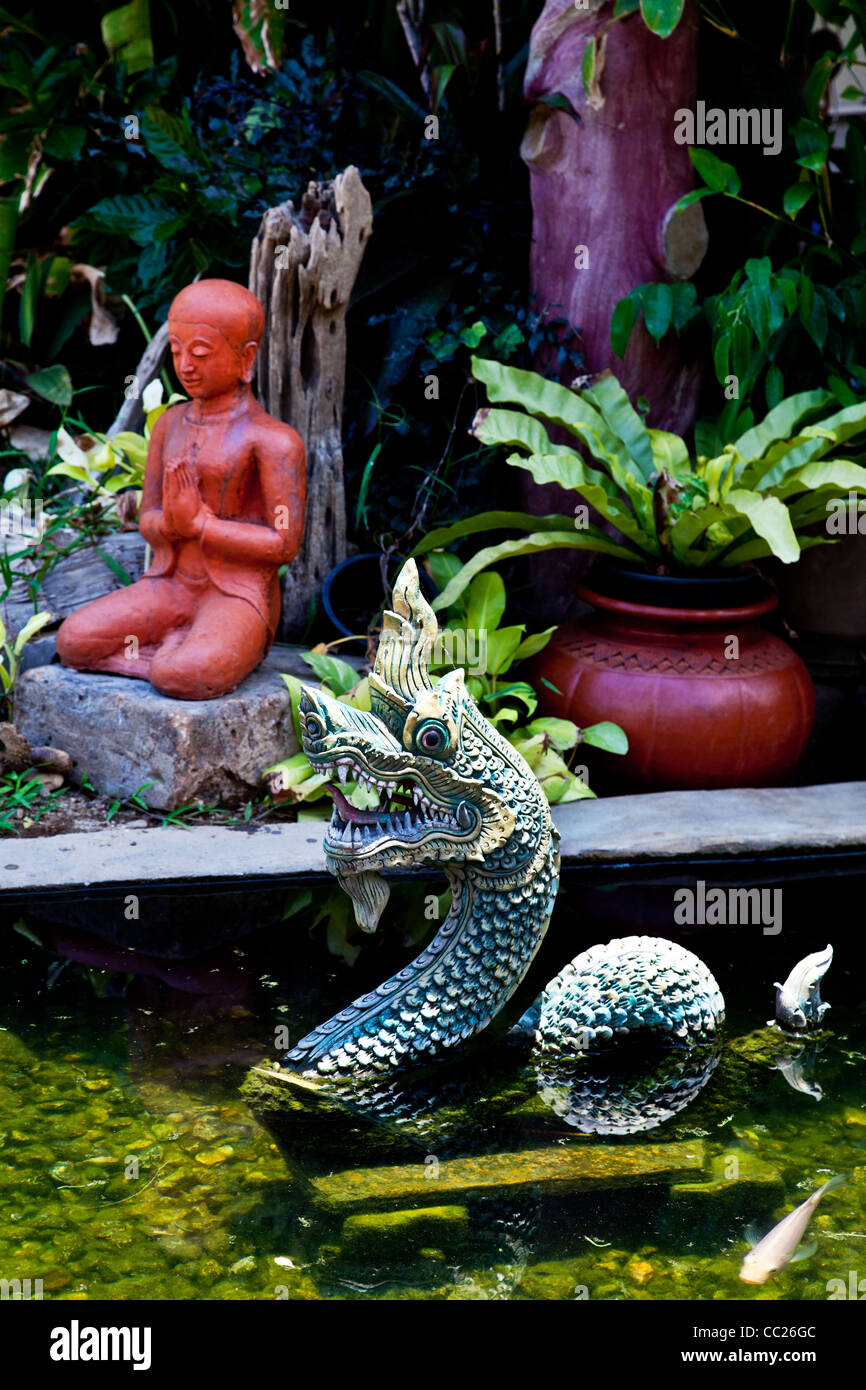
(457, 796)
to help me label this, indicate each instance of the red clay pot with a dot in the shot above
(700, 709)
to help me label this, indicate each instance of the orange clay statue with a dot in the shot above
(222, 508)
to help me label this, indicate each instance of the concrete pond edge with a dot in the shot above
(652, 829)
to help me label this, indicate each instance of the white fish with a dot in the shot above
(779, 1245)
(798, 1000)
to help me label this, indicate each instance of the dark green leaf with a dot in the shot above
(813, 313)
(658, 307)
(393, 94)
(796, 197)
(621, 324)
(559, 102)
(721, 177)
(662, 16)
(813, 143)
(774, 386)
(605, 735)
(52, 383)
(693, 197)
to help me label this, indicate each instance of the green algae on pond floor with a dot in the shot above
(132, 1166)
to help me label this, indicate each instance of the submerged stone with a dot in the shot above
(397, 1234)
(587, 1168)
(738, 1183)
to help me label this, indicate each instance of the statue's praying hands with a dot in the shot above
(222, 508)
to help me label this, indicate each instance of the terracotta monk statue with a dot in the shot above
(222, 508)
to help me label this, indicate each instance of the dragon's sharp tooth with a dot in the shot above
(416, 794)
(342, 771)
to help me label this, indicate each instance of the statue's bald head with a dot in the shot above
(232, 310)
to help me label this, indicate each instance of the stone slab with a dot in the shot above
(736, 821)
(551, 1171)
(122, 733)
(625, 829)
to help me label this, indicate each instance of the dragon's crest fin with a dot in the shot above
(408, 633)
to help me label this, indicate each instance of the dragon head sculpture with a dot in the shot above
(455, 795)
(448, 783)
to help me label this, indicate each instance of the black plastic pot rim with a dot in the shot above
(704, 590)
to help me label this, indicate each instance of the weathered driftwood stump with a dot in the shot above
(603, 191)
(303, 267)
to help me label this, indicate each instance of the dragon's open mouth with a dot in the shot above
(406, 811)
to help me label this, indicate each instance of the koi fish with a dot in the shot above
(779, 1246)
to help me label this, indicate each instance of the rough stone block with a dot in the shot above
(590, 1168)
(123, 733)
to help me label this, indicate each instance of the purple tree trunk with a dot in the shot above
(603, 192)
(602, 198)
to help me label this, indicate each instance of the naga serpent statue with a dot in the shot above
(455, 795)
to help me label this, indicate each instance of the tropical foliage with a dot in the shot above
(470, 637)
(672, 512)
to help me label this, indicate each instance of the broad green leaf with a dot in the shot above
(813, 143)
(669, 452)
(443, 565)
(530, 748)
(605, 735)
(721, 177)
(72, 470)
(774, 385)
(569, 471)
(694, 197)
(126, 35)
(658, 310)
(621, 324)
(575, 789)
(489, 521)
(769, 519)
(534, 643)
(563, 733)
(662, 16)
(839, 474)
(170, 140)
(554, 403)
(52, 383)
(620, 415)
(688, 528)
(336, 674)
(796, 197)
(813, 312)
(533, 544)
(485, 604)
(501, 646)
(517, 690)
(512, 427)
(780, 423)
(134, 446)
(782, 459)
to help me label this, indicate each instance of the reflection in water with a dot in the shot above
(616, 1095)
(502, 1180)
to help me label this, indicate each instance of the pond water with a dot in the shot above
(140, 1157)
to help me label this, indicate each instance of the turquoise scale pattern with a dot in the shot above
(636, 984)
(450, 992)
